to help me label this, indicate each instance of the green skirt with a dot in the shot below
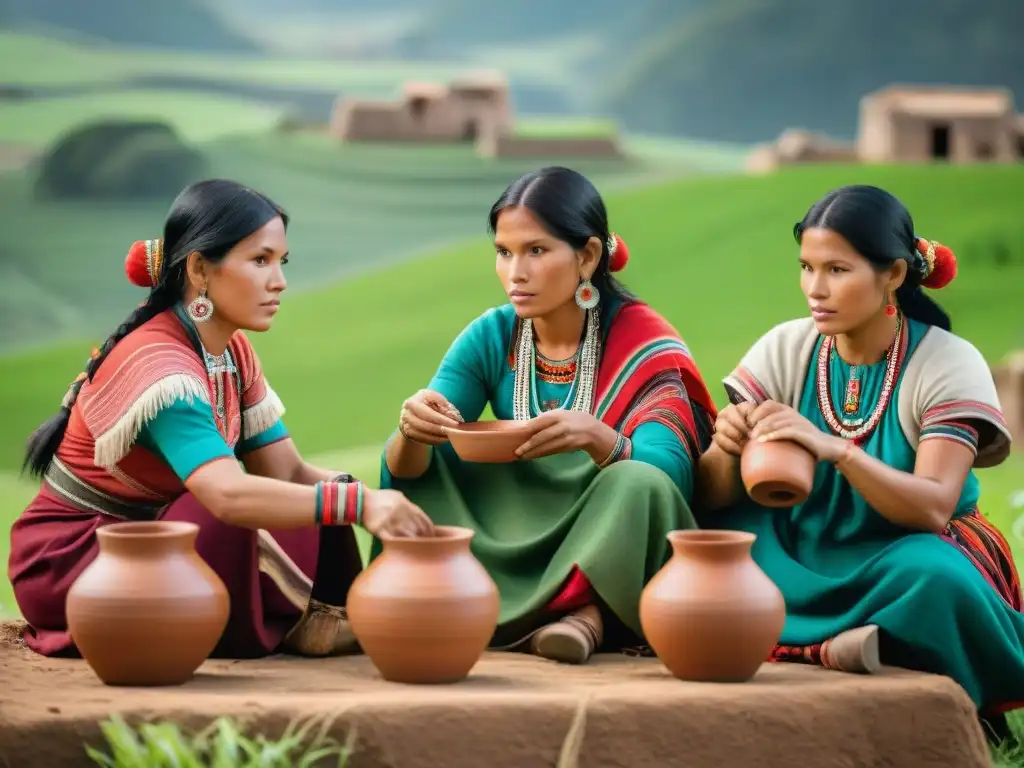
(534, 520)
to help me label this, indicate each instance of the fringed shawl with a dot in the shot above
(648, 374)
(147, 371)
(944, 379)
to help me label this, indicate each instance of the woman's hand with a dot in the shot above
(781, 422)
(424, 417)
(391, 513)
(732, 428)
(560, 431)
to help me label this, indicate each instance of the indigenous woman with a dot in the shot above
(155, 427)
(889, 560)
(572, 531)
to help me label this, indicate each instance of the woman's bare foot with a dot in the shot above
(571, 640)
(855, 650)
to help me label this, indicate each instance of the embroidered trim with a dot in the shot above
(655, 403)
(259, 417)
(744, 384)
(952, 430)
(957, 410)
(114, 444)
(664, 346)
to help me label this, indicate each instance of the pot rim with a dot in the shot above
(147, 529)
(711, 537)
(442, 533)
(491, 428)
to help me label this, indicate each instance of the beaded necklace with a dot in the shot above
(858, 429)
(581, 392)
(215, 366)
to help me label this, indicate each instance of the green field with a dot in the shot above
(354, 208)
(713, 254)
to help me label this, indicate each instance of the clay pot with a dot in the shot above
(425, 610)
(490, 442)
(148, 610)
(779, 473)
(711, 614)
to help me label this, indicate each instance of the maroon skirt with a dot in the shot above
(52, 542)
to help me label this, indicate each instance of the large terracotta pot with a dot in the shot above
(779, 473)
(425, 610)
(148, 610)
(711, 614)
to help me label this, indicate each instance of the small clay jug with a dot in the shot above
(425, 609)
(711, 614)
(148, 610)
(777, 473)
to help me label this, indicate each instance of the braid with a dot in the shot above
(44, 442)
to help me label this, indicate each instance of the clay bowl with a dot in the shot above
(489, 442)
(779, 473)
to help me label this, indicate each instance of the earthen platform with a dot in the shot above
(515, 711)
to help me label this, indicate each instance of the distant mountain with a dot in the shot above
(744, 70)
(181, 24)
(730, 70)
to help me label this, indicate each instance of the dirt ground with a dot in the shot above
(514, 711)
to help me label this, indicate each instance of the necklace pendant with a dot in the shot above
(852, 402)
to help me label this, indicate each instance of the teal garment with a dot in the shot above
(475, 373)
(537, 521)
(185, 435)
(840, 564)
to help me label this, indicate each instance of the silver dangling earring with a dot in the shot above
(200, 309)
(587, 296)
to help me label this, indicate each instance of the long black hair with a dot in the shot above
(569, 206)
(210, 217)
(881, 229)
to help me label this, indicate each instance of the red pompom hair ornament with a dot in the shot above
(940, 263)
(143, 262)
(618, 253)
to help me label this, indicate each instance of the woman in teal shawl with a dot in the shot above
(572, 531)
(889, 560)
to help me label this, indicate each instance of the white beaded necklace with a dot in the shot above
(524, 396)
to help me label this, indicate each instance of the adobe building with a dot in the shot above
(797, 147)
(428, 112)
(475, 109)
(917, 124)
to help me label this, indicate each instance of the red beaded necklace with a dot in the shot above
(858, 430)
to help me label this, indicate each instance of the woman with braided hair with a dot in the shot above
(889, 560)
(573, 530)
(156, 426)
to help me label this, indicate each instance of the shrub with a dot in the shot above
(118, 159)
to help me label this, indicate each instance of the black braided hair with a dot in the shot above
(881, 229)
(210, 217)
(569, 206)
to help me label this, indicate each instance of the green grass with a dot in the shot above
(353, 207)
(223, 744)
(562, 127)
